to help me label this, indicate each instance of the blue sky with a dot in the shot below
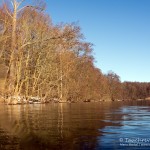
(119, 30)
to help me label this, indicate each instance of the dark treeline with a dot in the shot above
(136, 90)
(40, 59)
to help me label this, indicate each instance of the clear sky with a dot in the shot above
(119, 30)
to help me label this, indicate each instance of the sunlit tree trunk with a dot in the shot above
(13, 48)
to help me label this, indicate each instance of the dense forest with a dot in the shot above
(41, 59)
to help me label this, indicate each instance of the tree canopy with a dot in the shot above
(38, 58)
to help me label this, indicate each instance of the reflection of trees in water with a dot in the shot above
(57, 126)
(77, 127)
(8, 141)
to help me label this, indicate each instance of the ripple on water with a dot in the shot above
(134, 123)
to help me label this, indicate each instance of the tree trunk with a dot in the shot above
(13, 49)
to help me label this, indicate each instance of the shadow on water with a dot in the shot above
(79, 126)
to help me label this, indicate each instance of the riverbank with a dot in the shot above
(9, 102)
(21, 100)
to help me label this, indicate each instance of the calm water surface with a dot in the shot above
(77, 126)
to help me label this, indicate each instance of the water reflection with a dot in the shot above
(72, 126)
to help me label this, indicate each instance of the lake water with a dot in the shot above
(76, 126)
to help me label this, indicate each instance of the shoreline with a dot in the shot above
(4, 101)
